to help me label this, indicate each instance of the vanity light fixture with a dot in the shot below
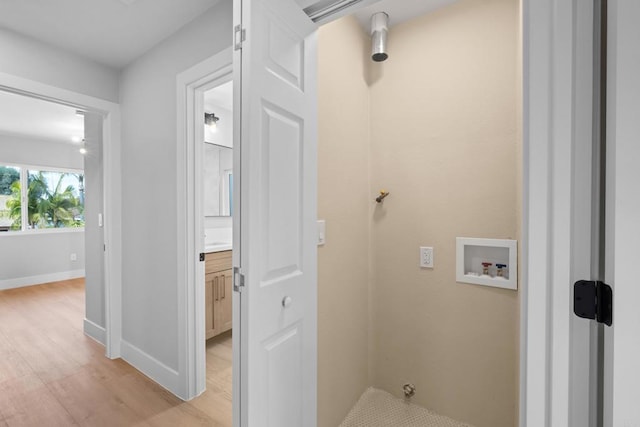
(211, 120)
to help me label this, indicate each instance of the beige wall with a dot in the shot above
(344, 202)
(445, 143)
(444, 140)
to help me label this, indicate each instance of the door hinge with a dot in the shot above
(201, 256)
(238, 279)
(239, 36)
(593, 300)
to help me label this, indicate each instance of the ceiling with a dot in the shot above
(115, 32)
(399, 11)
(30, 117)
(112, 32)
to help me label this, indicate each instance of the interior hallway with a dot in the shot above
(52, 374)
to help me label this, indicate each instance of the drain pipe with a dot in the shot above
(379, 29)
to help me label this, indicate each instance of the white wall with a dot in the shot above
(224, 133)
(218, 222)
(34, 60)
(148, 102)
(28, 259)
(29, 151)
(94, 233)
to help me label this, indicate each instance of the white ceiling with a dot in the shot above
(112, 32)
(30, 117)
(399, 11)
(115, 32)
(220, 96)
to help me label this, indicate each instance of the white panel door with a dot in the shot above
(622, 340)
(276, 68)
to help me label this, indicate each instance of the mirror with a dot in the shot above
(218, 180)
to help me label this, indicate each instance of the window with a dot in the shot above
(51, 198)
(10, 198)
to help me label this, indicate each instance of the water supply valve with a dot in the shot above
(485, 267)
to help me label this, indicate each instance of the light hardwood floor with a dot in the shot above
(51, 374)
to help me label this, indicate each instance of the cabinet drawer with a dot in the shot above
(217, 261)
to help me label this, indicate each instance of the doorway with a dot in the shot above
(217, 210)
(205, 164)
(423, 128)
(501, 295)
(100, 143)
(43, 198)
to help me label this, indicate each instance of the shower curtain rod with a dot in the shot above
(328, 8)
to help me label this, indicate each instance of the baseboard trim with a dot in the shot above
(97, 332)
(152, 367)
(20, 282)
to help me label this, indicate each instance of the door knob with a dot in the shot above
(286, 302)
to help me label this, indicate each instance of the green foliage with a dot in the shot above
(46, 208)
(7, 177)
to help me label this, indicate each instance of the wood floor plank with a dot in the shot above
(183, 415)
(25, 401)
(48, 360)
(87, 400)
(12, 365)
(217, 404)
(51, 374)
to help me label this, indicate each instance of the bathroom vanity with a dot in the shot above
(218, 293)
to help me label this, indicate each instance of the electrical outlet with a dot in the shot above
(426, 257)
(73, 257)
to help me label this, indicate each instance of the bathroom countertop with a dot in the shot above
(218, 247)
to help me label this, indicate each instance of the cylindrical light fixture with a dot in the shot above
(379, 29)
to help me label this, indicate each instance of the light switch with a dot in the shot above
(321, 232)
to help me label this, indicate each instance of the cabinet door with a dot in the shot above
(209, 313)
(224, 309)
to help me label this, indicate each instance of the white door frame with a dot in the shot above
(112, 192)
(191, 85)
(553, 138)
(622, 229)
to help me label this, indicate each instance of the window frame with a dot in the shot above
(24, 184)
